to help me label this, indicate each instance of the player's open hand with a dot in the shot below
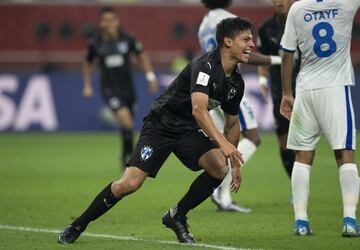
(286, 106)
(231, 152)
(236, 179)
(153, 86)
(87, 92)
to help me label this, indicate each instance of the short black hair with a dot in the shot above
(231, 27)
(215, 4)
(107, 9)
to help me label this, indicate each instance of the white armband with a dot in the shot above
(150, 76)
(275, 60)
(263, 81)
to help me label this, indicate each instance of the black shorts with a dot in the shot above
(155, 145)
(116, 102)
(282, 124)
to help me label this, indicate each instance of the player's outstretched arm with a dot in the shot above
(286, 75)
(202, 116)
(145, 64)
(260, 59)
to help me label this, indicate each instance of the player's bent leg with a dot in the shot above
(213, 162)
(131, 181)
(300, 190)
(349, 183)
(125, 118)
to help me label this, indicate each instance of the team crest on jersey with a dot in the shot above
(146, 152)
(231, 93)
(123, 47)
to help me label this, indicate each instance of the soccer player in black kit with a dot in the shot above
(269, 38)
(179, 122)
(113, 47)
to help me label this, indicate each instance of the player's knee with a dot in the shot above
(306, 157)
(126, 186)
(257, 141)
(220, 169)
(134, 184)
(344, 156)
(253, 136)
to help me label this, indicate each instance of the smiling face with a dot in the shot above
(282, 6)
(241, 46)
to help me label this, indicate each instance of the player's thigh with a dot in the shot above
(336, 116)
(152, 149)
(197, 151)
(304, 129)
(246, 116)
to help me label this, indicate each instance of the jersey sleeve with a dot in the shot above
(136, 46)
(289, 39)
(262, 43)
(91, 53)
(200, 78)
(232, 107)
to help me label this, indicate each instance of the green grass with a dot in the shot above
(48, 179)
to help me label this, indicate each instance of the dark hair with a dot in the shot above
(107, 9)
(214, 4)
(231, 27)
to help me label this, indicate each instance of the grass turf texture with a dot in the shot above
(48, 179)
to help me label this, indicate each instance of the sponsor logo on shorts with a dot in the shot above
(146, 152)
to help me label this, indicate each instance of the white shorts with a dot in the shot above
(327, 110)
(246, 117)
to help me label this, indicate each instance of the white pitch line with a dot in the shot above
(115, 237)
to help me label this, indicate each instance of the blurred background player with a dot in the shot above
(113, 47)
(249, 128)
(322, 30)
(268, 43)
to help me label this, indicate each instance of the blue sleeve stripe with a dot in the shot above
(287, 50)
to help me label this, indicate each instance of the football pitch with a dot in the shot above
(46, 180)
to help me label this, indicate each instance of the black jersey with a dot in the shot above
(269, 38)
(173, 110)
(114, 62)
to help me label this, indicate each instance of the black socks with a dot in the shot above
(103, 202)
(127, 137)
(288, 159)
(199, 191)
